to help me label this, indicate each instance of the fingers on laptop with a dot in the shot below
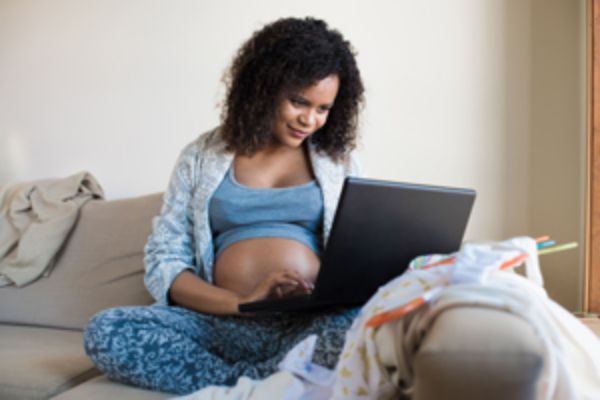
(289, 282)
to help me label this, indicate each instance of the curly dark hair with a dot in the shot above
(287, 55)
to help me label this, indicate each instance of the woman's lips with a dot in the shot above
(297, 133)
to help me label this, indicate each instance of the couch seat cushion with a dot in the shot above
(40, 362)
(100, 388)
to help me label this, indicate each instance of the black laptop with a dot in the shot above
(379, 227)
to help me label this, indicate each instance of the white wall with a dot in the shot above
(119, 87)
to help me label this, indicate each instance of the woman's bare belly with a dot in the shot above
(244, 264)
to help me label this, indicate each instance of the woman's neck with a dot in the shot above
(278, 151)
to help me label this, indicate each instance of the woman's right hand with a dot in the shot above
(279, 284)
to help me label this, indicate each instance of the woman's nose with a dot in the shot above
(307, 118)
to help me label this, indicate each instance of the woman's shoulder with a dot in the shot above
(209, 141)
(349, 163)
(331, 172)
(206, 140)
(354, 164)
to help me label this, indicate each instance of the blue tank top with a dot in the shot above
(239, 212)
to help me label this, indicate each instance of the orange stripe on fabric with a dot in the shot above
(380, 319)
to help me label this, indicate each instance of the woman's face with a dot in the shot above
(300, 114)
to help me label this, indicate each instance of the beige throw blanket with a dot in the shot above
(35, 219)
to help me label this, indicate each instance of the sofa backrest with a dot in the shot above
(99, 266)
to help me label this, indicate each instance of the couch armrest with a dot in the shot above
(478, 353)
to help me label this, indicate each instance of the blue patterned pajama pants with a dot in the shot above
(173, 349)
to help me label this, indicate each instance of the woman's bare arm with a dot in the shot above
(190, 291)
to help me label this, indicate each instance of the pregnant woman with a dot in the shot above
(245, 217)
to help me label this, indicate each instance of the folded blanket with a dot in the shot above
(35, 219)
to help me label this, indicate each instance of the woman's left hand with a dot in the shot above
(293, 290)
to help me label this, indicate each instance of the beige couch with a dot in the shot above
(470, 353)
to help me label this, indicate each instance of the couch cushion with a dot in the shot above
(100, 266)
(100, 388)
(40, 362)
(494, 355)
